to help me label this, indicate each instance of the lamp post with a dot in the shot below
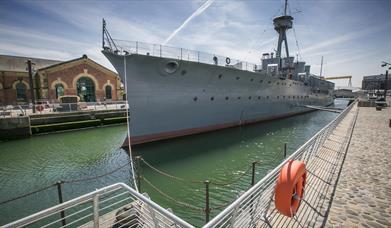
(30, 70)
(386, 79)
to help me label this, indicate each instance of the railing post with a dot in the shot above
(207, 208)
(136, 47)
(160, 51)
(181, 53)
(138, 172)
(285, 150)
(198, 56)
(253, 174)
(96, 210)
(60, 200)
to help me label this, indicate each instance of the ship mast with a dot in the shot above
(281, 25)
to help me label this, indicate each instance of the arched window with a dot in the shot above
(21, 92)
(59, 90)
(108, 92)
(86, 89)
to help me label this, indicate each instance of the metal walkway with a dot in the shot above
(324, 155)
(119, 205)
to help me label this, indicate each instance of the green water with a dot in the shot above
(221, 156)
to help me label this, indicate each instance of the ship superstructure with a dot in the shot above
(174, 91)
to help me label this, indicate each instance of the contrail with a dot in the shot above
(199, 11)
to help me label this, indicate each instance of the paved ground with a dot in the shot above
(363, 194)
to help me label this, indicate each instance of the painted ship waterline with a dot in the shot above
(174, 92)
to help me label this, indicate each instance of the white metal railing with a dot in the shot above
(47, 108)
(158, 50)
(254, 205)
(117, 205)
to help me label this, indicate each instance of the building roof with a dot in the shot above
(18, 63)
(73, 61)
(376, 77)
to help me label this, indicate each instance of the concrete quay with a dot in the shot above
(363, 193)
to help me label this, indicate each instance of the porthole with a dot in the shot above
(251, 80)
(239, 98)
(278, 97)
(278, 83)
(269, 82)
(237, 78)
(195, 98)
(171, 67)
(259, 97)
(249, 97)
(260, 81)
(183, 72)
(212, 98)
(220, 76)
(226, 98)
(267, 97)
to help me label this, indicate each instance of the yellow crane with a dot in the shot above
(341, 77)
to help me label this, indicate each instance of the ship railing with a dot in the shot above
(117, 205)
(163, 51)
(255, 207)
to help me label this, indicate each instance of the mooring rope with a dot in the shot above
(233, 181)
(213, 182)
(27, 194)
(96, 177)
(178, 202)
(169, 175)
(65, 182)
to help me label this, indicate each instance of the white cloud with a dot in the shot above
(196, 13)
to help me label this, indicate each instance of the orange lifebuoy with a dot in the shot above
(290, 187)
(40, 108)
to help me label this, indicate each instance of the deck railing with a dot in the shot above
(158, 50)
(116, 206)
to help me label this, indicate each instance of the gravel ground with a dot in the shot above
(363, 194)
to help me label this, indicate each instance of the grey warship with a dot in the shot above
(174, 92)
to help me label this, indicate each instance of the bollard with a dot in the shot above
(390, 123)
(284, 150)
(253, 174)
(62, 213)
(138, 172)
(207, 208)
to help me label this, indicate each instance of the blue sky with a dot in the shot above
(354, 36)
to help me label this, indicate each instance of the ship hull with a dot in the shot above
(169, 100)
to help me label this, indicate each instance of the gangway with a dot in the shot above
(321, 108)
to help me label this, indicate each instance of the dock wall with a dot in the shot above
(15, 127)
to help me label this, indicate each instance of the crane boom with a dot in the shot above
(339, 77)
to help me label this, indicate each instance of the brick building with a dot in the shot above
(83, 77)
